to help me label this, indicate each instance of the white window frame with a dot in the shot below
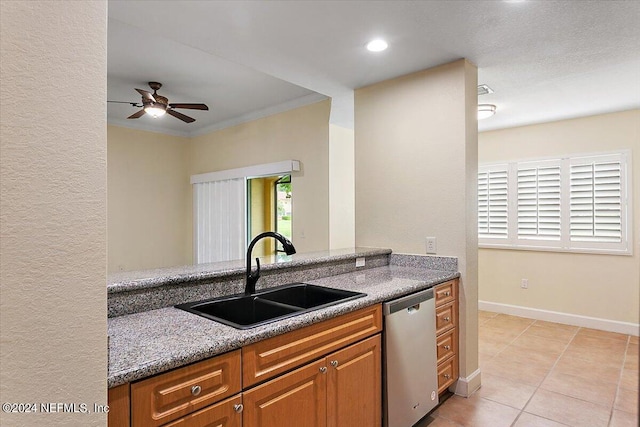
(565, 243)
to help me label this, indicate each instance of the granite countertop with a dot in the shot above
(151, 342)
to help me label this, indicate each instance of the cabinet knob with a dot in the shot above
(446, 319)
(323, 369)
(334, 363)
(447, 376)
(446, 347)
(238, 407)
(447, 293)
(195, 390)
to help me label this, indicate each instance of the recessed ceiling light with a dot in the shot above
(377, 45)
(486, 110)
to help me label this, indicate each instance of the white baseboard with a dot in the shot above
(467, 386)
(565, 318)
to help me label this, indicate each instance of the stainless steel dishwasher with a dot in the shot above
(410, 363)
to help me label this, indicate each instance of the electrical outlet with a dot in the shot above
(524, 284)
(360, 262)
(431, 245)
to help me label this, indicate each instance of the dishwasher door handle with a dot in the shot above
(413, 308)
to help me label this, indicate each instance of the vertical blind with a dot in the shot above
(219, 208)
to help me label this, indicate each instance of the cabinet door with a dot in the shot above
(354, 389)
(294, 399)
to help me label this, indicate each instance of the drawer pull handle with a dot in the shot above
(446, 376)
(334, 363)
(323, 369)
(446, 319)
(195, 390)
(447, 347)
(238, 408)
(447, 293)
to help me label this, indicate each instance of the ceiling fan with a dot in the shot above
(157, 105)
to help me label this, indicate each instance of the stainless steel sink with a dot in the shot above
(248, 311)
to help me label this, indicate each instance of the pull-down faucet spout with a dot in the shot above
(252, 277)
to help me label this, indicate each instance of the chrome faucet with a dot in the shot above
(251, 277)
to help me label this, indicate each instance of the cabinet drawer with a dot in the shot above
(447, 345)
(446, 292)
(223, 414)
(166, 397)
(447, 373)
(445, 318)
(268, 358)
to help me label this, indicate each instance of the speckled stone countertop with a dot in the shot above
(136, 280)
(150, 342)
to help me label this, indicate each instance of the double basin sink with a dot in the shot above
(249, 311)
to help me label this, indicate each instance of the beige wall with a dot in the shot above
(416, 163)
(148, 198)
(300, 134)
(600, 286)
(341, 187)
(53, 338)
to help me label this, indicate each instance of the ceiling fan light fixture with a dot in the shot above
(155, 111)
(377, 45)
(486, 111)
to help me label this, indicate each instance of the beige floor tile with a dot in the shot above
(631, 362)
(540, 344)
(589, 389)
(529, 420)
(484, 358)
(505, 391)
(623, 419)
(500, 332)
(627, 401)
(485, 315)
(595, 355)
(491, 347)
(602, 334)
(570, 364)
(538, 357)
(593, 342)
(508, 320)
(567, 410)
(630, 379)
(477, 412)
(519, 371)
(556, 325)
(634, 339)
(552, 332)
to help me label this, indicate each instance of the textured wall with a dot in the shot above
(416, 167)
(53, 209)
(566, 282)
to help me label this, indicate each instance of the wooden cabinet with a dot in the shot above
(268, 358)
(166, 397)
(354, 388)
(446, 296)
(341, 389)
(323, 375)
(119, 403)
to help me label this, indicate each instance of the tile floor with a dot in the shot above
(542, 374)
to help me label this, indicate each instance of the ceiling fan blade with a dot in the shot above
(180, 116)
(136, 115)
(146, 95)
(190, 106)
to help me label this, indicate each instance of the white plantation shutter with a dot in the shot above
(596, 200)
(493, 203)
(538, 196)
(573, 204)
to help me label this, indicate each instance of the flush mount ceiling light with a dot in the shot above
(377, 45)
(486, 110)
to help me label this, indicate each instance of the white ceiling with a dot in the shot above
(545, 60)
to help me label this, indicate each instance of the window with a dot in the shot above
(577, 204)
